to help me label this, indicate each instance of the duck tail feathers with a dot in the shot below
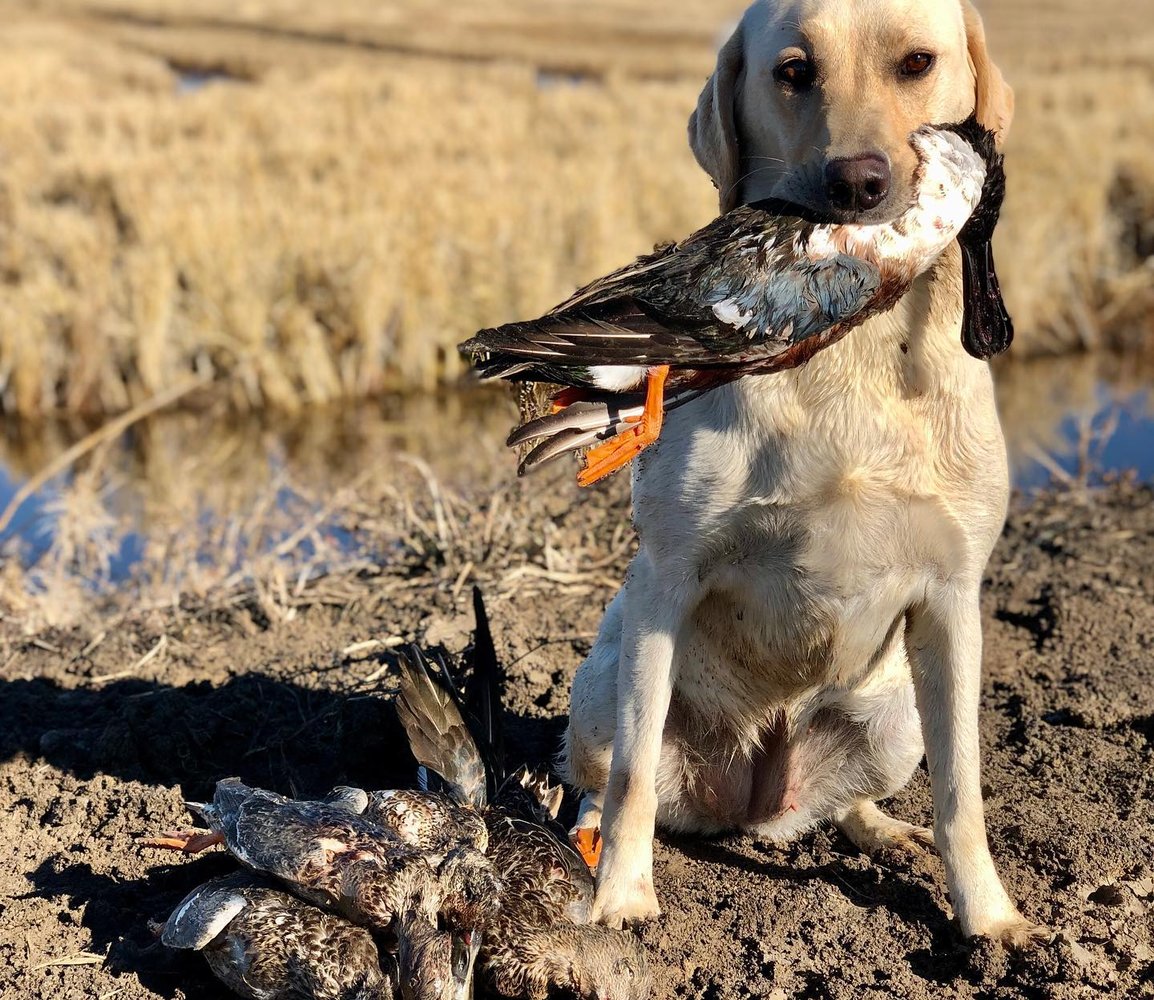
(510, 350)
(438, 736)
(483, 693)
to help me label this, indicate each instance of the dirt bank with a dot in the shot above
(102, 736)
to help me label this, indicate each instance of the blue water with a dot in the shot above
(1119, 434)
(191, 81)
(321, 454)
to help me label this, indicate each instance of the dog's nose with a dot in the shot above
(857, 183)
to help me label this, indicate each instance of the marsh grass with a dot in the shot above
(335, 214)
(399, 531)
(412, 501)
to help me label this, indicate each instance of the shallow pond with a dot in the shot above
(1065, 419)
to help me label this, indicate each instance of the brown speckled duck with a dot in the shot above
(436, 905)
(265, 944)
(540, 936)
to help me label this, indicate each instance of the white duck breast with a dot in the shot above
(947, 192)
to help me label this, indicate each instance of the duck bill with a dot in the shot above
(465, 949)
(986, 326)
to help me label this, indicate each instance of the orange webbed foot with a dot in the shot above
(187, 841)
(619, 451)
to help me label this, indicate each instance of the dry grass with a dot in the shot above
(337, 223)
(334, 506)
(401, 527)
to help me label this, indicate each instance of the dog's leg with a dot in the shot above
(871, 830)
(652, 617)
(892, 730)
(944, 639)
(588, 745)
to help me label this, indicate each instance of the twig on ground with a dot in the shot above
(152, 654)
(80, 958)
(110, 430)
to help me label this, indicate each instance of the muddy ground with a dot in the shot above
(89, 763)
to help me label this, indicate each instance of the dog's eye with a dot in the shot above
(797, 74)
(916, 63)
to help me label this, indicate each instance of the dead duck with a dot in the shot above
(427, 821)
(265, 944)
(519, 807)
(329, 854)
(586, 960)
(540, 935)
(759, 290)
(436, 907)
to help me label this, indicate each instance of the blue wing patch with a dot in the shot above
(795, 304)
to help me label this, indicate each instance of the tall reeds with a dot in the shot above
(334, 218)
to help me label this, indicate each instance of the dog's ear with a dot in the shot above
(993, 97)
(713, 126)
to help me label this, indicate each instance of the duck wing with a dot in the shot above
(742, 289)
(438, 736)
(430, 822)
(309, 846)
(483, 694)
(205, 912)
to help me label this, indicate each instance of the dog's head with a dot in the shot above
(813, 101)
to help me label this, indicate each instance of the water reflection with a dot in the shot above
(1064, 418)
(1077, 418)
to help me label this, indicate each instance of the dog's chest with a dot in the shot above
(809, 525)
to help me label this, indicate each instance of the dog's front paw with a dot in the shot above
(622, 901)
(1014, 932)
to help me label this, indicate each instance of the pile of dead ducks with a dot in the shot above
(410, 892)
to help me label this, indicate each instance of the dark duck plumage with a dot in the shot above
(265, 944)
(987, 329)
(759, 290)
(540, 935)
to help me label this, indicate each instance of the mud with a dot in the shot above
(97, 747)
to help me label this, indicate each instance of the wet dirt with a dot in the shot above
(97, 748)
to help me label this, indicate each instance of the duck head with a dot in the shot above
(607, 964)
(470, 889)
(986, 325)
(435, 964)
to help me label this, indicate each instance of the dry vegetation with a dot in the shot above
(334, 218)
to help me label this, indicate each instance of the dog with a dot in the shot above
(801, 621)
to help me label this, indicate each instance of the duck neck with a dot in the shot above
(910, 351)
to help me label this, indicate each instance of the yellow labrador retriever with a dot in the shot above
(802, 616)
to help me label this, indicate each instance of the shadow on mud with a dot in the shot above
(890, 888)
(267, 732)
(276, 734)
(116, 914)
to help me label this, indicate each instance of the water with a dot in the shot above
(1065, 420)
(1076, 419)
(190, 81)
(1116, 437)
